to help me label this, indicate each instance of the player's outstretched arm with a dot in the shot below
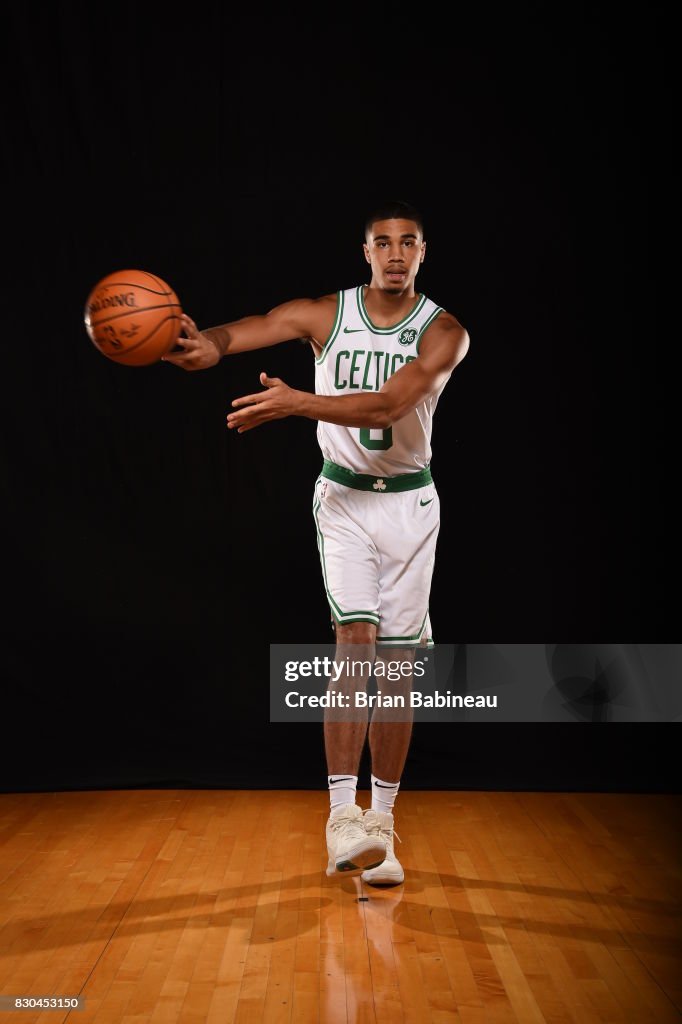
(444, 345)
(201, 349)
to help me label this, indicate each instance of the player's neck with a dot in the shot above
(388, 306)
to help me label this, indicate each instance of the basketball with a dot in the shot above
(133, 317)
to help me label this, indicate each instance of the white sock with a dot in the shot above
(383, 794)
(342, 789)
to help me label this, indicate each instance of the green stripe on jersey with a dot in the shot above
(395, 327)
(428, 323)
(335, 329)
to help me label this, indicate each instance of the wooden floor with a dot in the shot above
(213, 905)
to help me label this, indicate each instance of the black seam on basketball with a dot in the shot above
(134, 311)
(143, 341)
(133, 284)
(157, 279)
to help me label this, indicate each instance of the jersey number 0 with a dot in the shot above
(376, 443)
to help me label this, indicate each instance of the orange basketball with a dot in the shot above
(133, 317)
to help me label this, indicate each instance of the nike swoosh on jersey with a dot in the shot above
(353, 330)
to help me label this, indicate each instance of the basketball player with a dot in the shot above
(383, 354)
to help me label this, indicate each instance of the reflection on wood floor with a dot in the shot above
(213, 905)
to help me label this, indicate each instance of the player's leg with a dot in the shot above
(349, 845)
(407, 542)
(345, 728)
(349, 563)
(390, 730)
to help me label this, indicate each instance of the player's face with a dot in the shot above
(394, 249)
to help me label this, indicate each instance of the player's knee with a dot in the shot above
(355, 633)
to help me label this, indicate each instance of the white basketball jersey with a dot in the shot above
(359, 356)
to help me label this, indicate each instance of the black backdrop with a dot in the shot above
(151, 556)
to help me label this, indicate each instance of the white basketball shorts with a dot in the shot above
(377, 550)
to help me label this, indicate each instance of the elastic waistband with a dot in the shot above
(378, 484)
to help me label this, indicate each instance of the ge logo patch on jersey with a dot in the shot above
(407, 336)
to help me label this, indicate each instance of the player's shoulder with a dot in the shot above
(447, 321)
(445, 338)
(317, 303)
(319, 315)
(446, 325)
(327, 300)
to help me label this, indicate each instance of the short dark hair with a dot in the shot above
(396, 209)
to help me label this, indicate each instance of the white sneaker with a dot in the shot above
(348, 844)
(389, 872)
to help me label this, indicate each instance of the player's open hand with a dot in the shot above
(277, 401)
(193, 350)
